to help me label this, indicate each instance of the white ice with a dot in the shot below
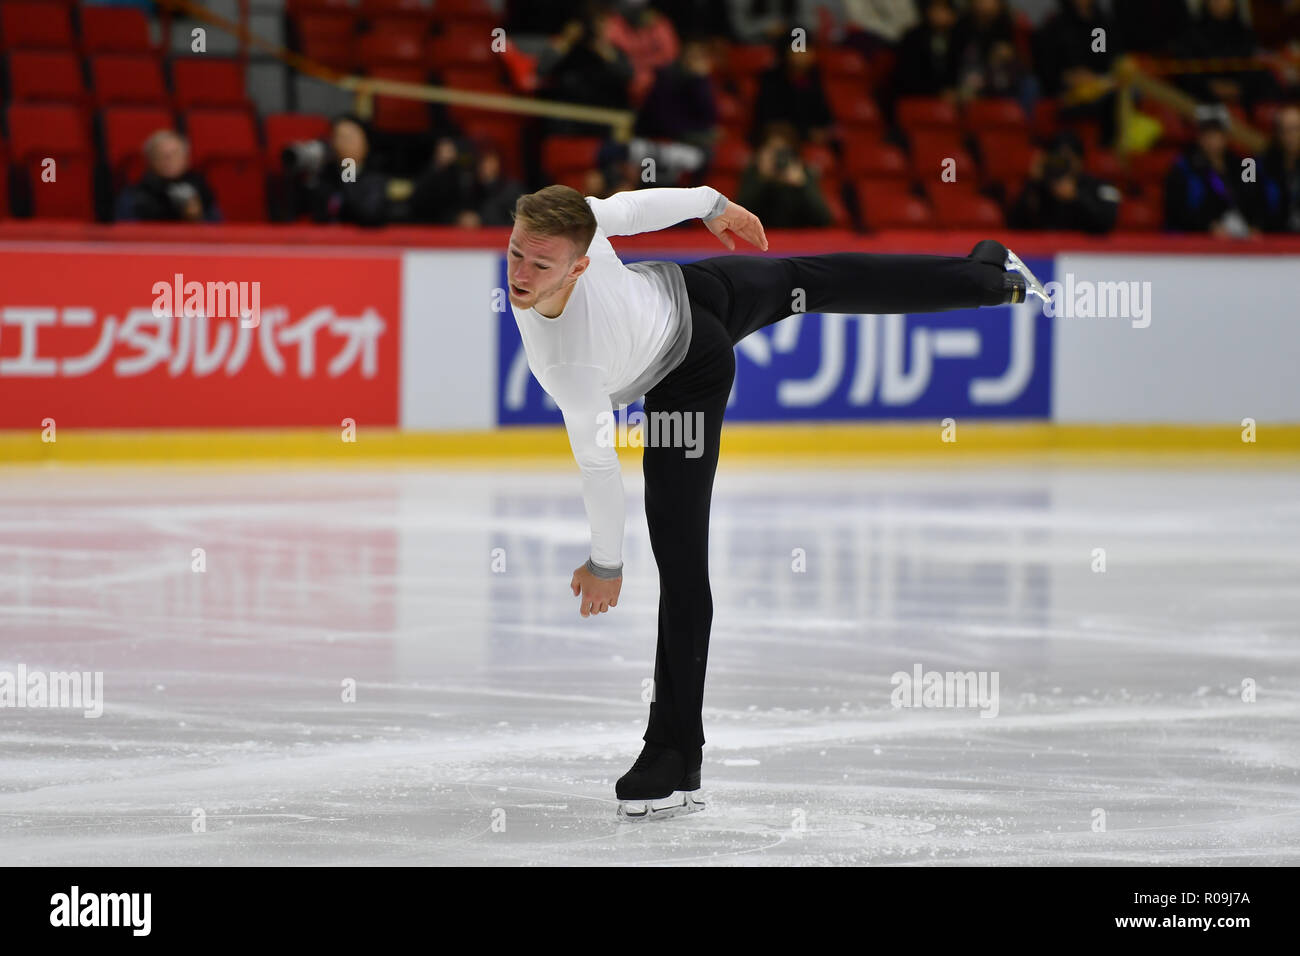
(491, 721)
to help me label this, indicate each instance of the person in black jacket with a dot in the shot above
(1204, 191)
(348, 187)
(929, 55)
(791, 92)
(1060, 195)
(169, 191)
(1279, 174)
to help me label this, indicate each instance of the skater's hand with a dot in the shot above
(739, 221)
(598, 594)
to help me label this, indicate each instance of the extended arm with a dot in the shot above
(580, 392)
(648, 210)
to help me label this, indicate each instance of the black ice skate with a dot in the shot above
(1021, 283)
(660, 785)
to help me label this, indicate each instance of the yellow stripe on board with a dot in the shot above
(786, 442)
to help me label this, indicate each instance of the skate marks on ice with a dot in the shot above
(491, 724)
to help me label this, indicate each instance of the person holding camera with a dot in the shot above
(169, 191)
(337, 181)
(778, 188)
(1060, 195)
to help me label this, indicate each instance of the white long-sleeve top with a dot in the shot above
(622, 330)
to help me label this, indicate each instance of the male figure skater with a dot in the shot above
(599, 333)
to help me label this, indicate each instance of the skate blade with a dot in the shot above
(1016, 264)
(680, 803)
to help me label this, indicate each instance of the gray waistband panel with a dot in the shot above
(668, 276)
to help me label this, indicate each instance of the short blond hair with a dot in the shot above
(557, 211)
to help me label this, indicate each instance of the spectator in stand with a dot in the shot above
(582, 65)
(1222, 31)
(1068, 67)
(777, 187)
(445, 188)
(767, 21)
(699, 18)
(990, 64)
(1279, 175)
(929, 56)
(1203, 190)
(680, 105)
(169, 191)
(1151, 26)
(1064, 47)
(648, 40)
(875, 25)
(791, 92)
(490, 194)
(356, 193)
(1060, 195)
(529, 16)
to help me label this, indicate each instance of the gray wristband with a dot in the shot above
(717, 209)
(607, 574)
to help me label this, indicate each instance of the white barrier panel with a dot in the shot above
(1221, 345)
(449, 340)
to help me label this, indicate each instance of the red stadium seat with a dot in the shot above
(995, 113)
(337, 52)
(1139, 215)
(398, 115)
(502, 132)
(128, 80)
(463, 48)
(869, 158)
(240, 188)
(1006, 155)
(391, 47)
(125, 130)
(1044, 123)
(1105, 165)
(330, 25)
(821, 159)
(283, 129)
(885, 206)
(749, 59)
(463, 10)
(70, 196)
(415, 14)
(199, 81)
(48, 130)
(932, 148)
(1152, 167)
(4, 180)
(845, 63)
(959, 209)
(221, 134)
(115, 30)
(1264, 115)
(731, 156)
(924, 112)
(565, 154)
(35, 26)
(852, 105)
(46, 77)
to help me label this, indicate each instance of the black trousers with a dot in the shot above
(730, 297)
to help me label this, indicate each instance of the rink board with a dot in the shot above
(422, 341)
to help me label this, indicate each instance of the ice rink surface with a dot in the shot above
(491, 721)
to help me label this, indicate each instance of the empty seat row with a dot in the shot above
(56, 76)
